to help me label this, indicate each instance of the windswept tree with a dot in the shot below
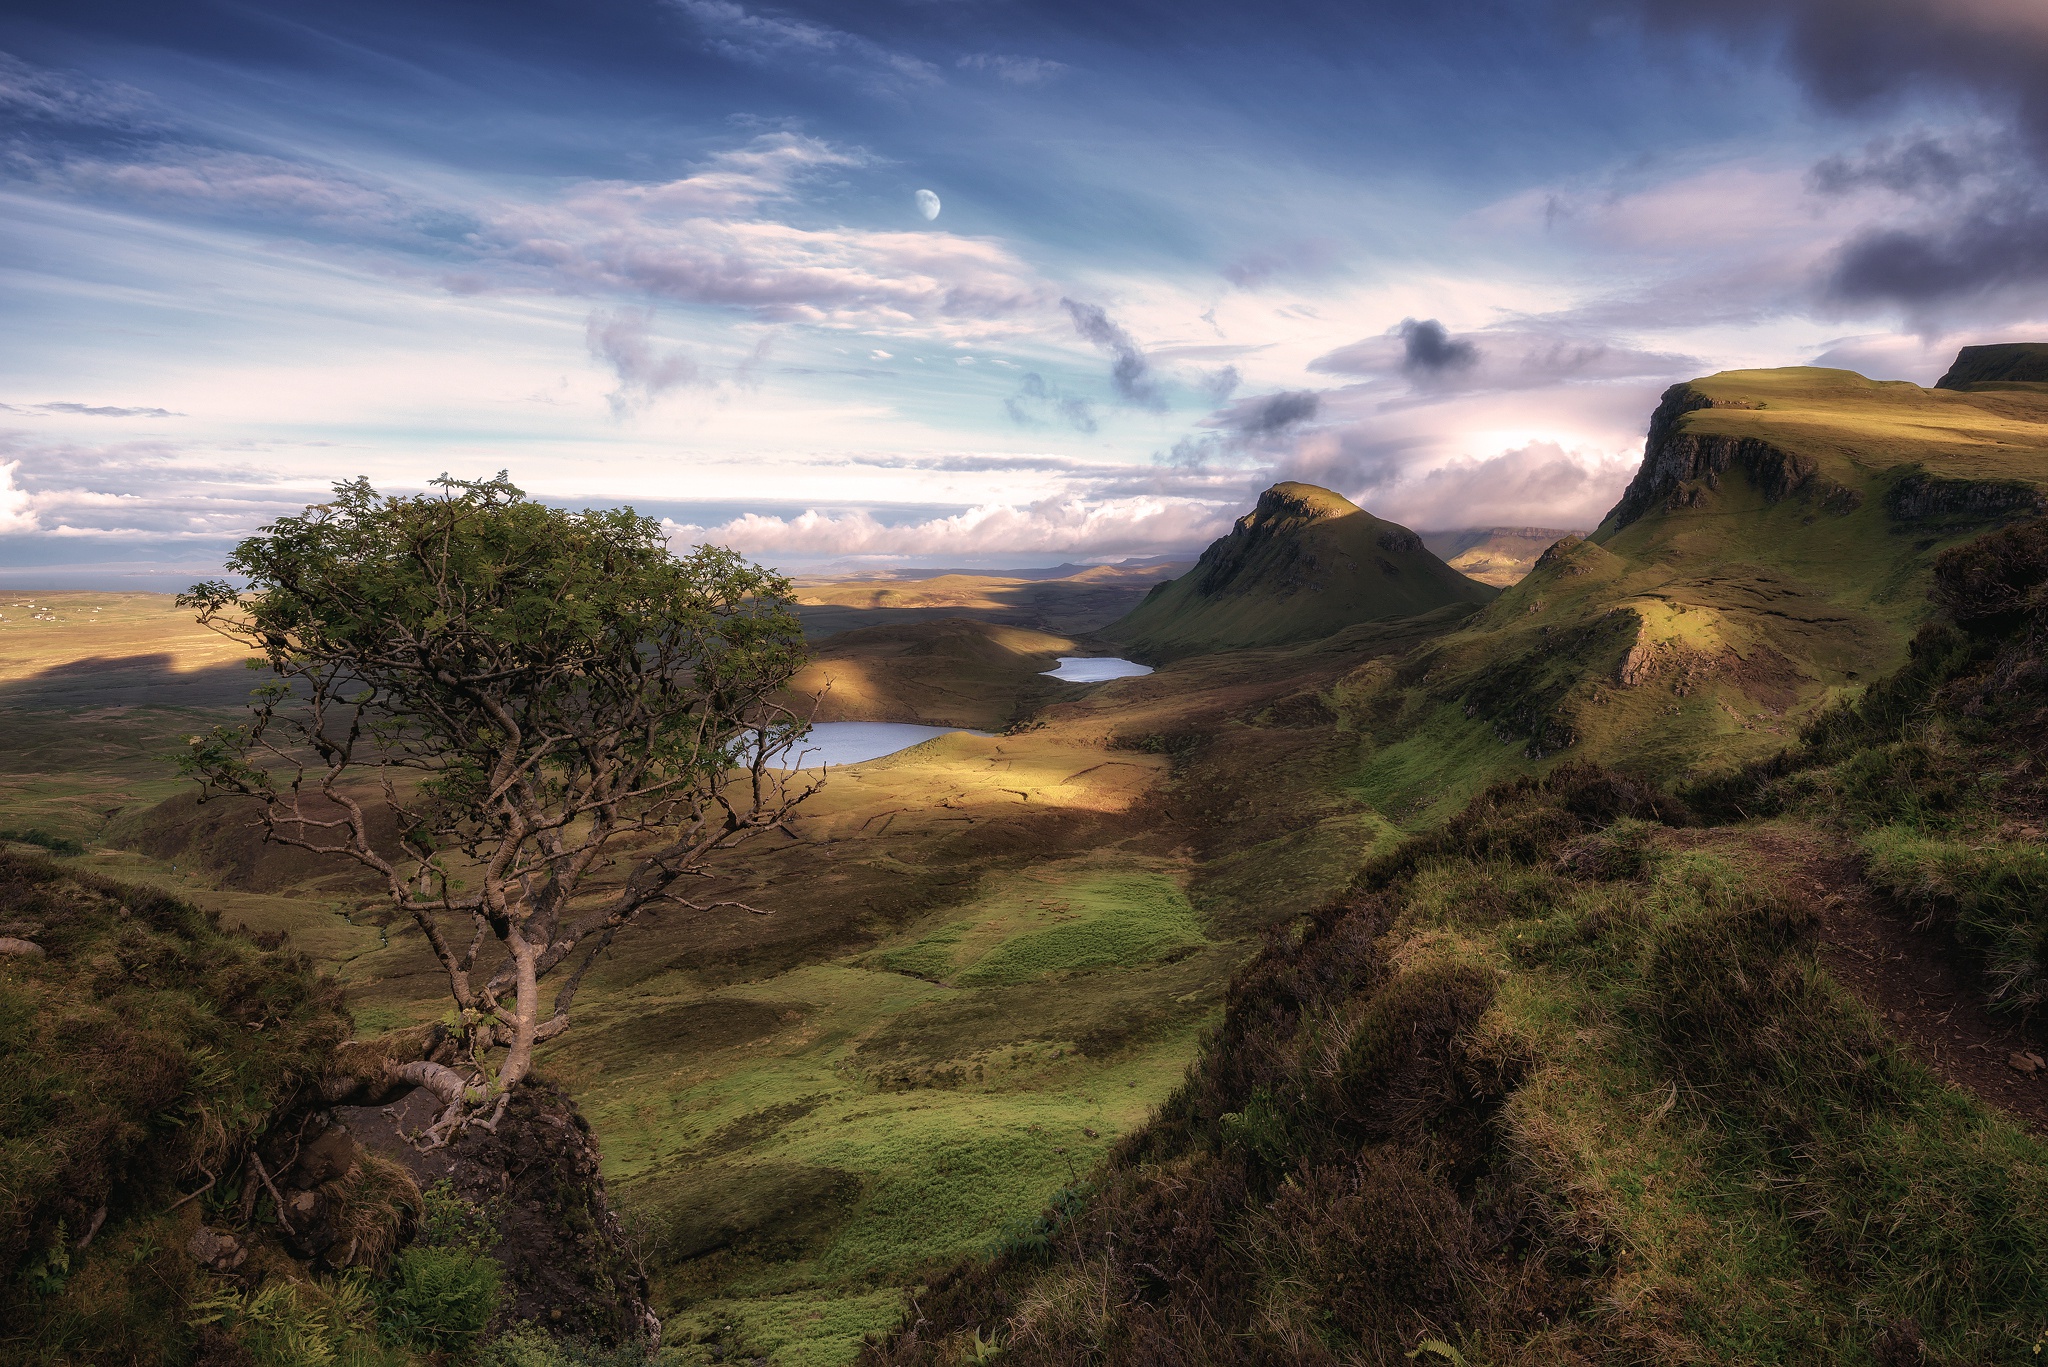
(533, 725)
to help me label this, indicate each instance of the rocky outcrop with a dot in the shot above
(1925, 498)
(1269, 537)
(570, 1267)
(1998, 363)
(1677, 464)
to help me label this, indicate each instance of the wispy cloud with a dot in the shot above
(766, 38)
(1024, 71)
(87, 410)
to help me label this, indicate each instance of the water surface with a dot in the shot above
(850, 742)
(1096, 669)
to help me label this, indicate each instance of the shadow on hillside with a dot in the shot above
(131, 681)
(1062, 607)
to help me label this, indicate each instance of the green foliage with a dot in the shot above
(1994, 892)
(528, 1346)
(451, 1220)
(449, 614)
(36, 835)
(1118, 922)
(286, 1323)
(143, 1052)
(441, 1299)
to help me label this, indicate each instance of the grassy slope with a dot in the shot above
(732, 1066)
(1079, 603)
(1303, 564)
(952, 672)
(1551, 1086)
(1709, 630)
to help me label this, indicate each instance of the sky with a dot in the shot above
(980, 283)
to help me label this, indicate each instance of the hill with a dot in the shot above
(1499, 556)
(1069, 601)
(952, 672)
(1304, 563)
(1584, 1072)
(2001, 363)
(1772, 555)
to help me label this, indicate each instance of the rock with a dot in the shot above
(28, 949)
(569, 1264)
(217, 1249)
(2025, 1062)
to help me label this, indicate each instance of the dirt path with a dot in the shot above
(1919, 982)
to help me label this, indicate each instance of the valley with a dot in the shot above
(1496, 958)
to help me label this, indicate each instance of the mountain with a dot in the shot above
(1772, 555)
(1304, 563)
(1998, 364)
(1499, 556)
(1744, 1068)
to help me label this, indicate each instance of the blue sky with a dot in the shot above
(672, 253)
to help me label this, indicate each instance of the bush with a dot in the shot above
(440, 1299)
(36, 835)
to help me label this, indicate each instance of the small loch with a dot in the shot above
(1096, 669)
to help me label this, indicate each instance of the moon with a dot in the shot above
(928, 205)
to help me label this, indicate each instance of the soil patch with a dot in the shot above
(1919, 981)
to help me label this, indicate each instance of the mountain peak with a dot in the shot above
(1302, 564)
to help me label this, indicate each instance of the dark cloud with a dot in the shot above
(1998, 243)
(1266, 414)
(1428, 349)
(1038, 404)
(1221, 383)
(1130, 374)
(624, 341)
(1916, 166)
(1854, 54)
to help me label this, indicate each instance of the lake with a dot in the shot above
(1096, 669)
(850, 742)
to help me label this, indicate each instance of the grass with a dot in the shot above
(1617, 1054)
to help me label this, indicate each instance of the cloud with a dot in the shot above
(1309, 257)
(64, 98)
(1919, 166)
(1852, 55)
(1056, 526)
(1268, 414)
(698, 240)
(16, 516)
(1427, 349)
(89, 410)
(1038, 404)
(780, 41)
(624, 340)
(1528, 354)
(1221, 383)
(1130, 374)
(1541, 483)
(1024, 71)
(1996, 244)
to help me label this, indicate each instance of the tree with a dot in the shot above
(490, 703)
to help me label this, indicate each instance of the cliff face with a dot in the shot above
(1304, 563)
(1676, 462)
(2000, 363)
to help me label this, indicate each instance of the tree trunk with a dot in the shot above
(526, 1012)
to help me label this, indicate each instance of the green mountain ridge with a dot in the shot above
(1304, 563)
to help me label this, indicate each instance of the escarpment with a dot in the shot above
(1677, 462)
